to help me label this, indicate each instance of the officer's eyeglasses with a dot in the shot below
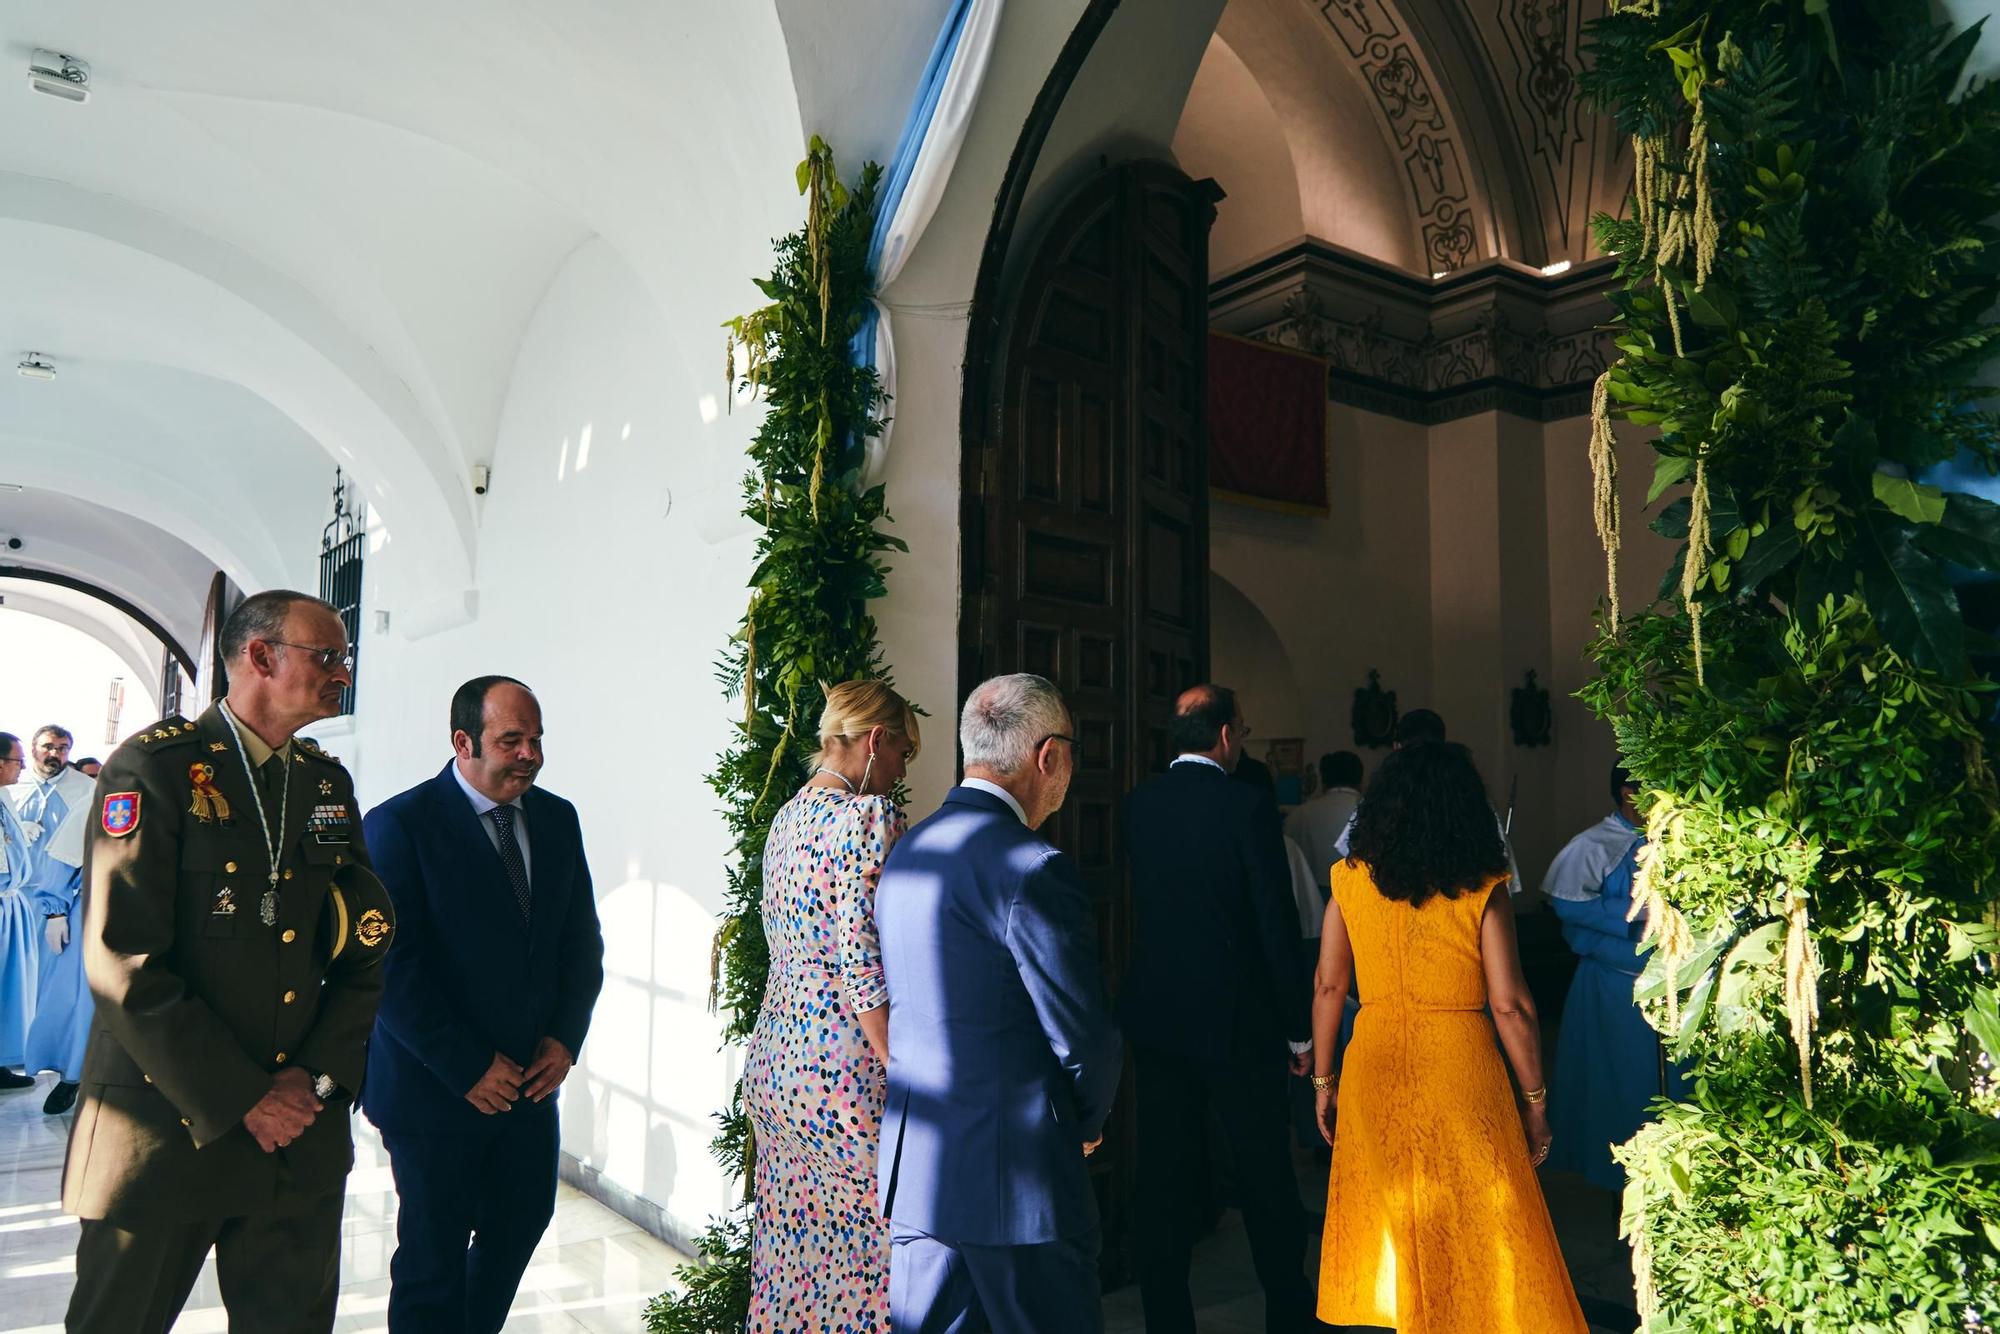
(329, 658)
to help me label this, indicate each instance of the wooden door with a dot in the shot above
(211, 672)
(1086, 523)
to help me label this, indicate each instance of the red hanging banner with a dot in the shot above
(1266, 425)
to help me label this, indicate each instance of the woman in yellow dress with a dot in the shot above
(1435, 1222)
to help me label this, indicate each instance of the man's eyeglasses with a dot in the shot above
(329, 658)
(1055, 736)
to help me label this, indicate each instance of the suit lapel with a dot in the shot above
(543, 847)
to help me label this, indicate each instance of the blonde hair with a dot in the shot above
(855, 707)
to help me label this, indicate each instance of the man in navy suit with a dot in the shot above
(1003, 1052)
(498, 962)
(1215, 993)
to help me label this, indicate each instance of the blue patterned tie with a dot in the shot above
(510, 855)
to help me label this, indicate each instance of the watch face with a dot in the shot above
(323, 1086)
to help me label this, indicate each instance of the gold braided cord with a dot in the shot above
(1696, 562)
(1604, 486)
(1801, 984)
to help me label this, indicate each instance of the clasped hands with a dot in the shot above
(505, 1082)
(283, 1114)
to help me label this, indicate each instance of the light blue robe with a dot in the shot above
(1608, 1058)
(63, 1007)
(20, 941)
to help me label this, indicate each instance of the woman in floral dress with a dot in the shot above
(813, 1079)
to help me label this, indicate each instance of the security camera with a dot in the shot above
(482, 477)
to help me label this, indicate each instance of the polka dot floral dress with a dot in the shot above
(819, 1256)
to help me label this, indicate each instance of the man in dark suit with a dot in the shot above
(1211, 1000)
(498, 962)
(1003, 1052)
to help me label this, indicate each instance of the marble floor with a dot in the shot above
(593, 1271)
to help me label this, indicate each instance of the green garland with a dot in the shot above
(1805, 275)
(819, 562)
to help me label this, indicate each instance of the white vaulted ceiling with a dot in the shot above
(281, 237)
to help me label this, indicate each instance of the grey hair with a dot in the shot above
(1007, 717)
(262, 616)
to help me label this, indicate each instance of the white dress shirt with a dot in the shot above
(1013, 805)
(483, 806)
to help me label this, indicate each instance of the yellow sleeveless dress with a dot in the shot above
(1435, 1222)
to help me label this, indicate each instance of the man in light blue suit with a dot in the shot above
(20, 926)
(52, 802)
(1003, 1050)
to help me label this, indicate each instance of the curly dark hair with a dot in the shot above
(1425, 826)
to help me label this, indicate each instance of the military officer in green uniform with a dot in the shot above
(233, 939)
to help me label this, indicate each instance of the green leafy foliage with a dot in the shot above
(1838, 336)
(1825, 817)
(819, 561)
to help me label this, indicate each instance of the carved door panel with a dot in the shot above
(1086, 521)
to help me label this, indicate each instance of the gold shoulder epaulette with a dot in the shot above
(312, 748)
(166, 732)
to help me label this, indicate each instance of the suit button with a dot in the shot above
(291, 996)
(147, 1078)
(229, 866)
(288, 873)
(280, 1058)
(289, 936)
(339, 860)
(186, 1122)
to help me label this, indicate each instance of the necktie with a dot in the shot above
(271, 788)
(510, 855)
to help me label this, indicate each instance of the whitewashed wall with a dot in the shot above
(598, 586)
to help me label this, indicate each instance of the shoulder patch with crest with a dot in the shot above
(121, 813)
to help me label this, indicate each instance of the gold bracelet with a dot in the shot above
(1321, 1083)
(1535, 1095)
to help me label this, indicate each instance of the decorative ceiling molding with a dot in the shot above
(1483, 106)
(1453, 216)
(1494, 337)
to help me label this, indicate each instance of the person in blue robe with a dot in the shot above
(1610, 1064)
(55, 800)
(20, 924)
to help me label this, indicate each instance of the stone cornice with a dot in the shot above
(1494, 336)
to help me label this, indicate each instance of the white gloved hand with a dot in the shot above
(57, 933)
(33, 829)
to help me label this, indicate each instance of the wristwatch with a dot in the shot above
(324, 1087)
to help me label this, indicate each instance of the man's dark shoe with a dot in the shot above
(9, 1080)
(61, 1098)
